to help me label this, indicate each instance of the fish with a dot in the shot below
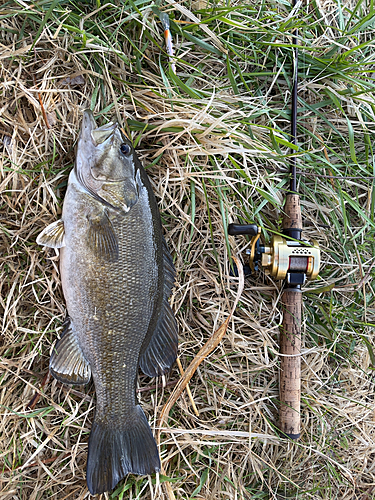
(117, 276)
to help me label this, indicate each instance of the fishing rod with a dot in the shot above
(293, 260)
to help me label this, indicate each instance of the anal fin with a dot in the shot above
(68, 364)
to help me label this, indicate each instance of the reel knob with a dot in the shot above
(237, 229)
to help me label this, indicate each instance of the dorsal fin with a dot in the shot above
(161, 352)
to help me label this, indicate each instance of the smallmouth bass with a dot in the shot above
(117, 275)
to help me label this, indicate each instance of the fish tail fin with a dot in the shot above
(119, 449)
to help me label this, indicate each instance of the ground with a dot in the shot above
(215, 139)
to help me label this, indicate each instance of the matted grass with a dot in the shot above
(215, 140)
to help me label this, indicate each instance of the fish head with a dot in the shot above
(106, 164)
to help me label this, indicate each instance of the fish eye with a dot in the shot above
(125, 149)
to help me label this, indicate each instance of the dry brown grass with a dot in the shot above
(232, 449)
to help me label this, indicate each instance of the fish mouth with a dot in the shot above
(91, 133)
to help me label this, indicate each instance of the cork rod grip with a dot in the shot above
(292, 208)
(290, 364)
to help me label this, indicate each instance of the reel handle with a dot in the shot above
(290, 364)
(236, 229)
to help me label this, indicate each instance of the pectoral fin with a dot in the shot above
(102, 238)
(68, 364)
(53, 235)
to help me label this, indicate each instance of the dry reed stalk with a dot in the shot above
(186, 376)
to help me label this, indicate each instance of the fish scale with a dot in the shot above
(123, 281)
(117, 275)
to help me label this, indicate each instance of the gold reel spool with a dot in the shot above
(284, 257)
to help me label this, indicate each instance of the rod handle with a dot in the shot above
(290, 364)
(292, 209)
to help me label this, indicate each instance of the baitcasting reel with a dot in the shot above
(290, 260)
